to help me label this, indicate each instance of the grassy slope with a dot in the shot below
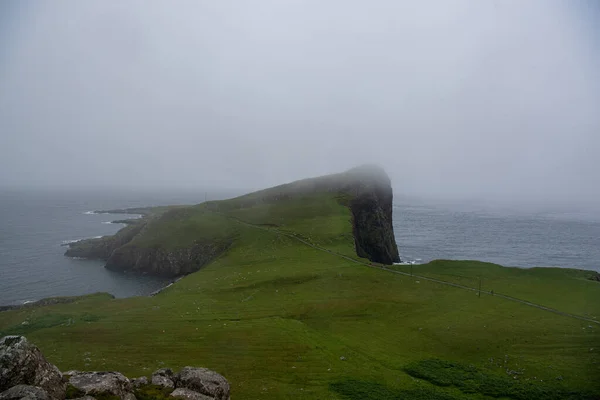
(567, 290)
(274, 316)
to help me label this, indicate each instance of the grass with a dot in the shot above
(153, 392)
(364, 390)
(73, 393)
(470, 379)
(547, 286)
(280, 319)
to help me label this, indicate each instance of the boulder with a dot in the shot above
(22, 363)
(203, 381)
(163, 377)
(138, 382)
(106, 383)
(188, 394)
(25, 392)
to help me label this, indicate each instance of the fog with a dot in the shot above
(459, 99)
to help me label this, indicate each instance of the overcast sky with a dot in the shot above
(457, 98)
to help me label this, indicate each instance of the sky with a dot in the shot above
(455, 98)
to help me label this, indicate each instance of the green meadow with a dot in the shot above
(284, 320)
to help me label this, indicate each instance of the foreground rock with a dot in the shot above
(188, 394)
(102, 383)
(163, 377)
(139, 382)
(22, 363)
(26, 375)
(24, 392)
(203, 381)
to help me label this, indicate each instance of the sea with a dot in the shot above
(35, 226)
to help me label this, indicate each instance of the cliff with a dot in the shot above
(181, 240)
(102, 248)
(371, 208)
(366, 191)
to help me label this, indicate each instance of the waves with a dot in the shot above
(70, 241)
(406, 263)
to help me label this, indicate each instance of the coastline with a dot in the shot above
(164, 288)
(51, 301)
(137, 214)
(48, 301)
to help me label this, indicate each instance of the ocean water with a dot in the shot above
(506, 235)
(34, 225)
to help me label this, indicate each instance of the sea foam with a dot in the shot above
(70, 241)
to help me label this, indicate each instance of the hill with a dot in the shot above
(289, 310)
(180, 240)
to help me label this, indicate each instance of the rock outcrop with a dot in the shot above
(24, 392)
(101, 383)
(139, 382)
(203, 381)
(187, 394)
(193, 383)
(22, 363)
(371, 206)
(102, 248)
(124, 254)
(26, 375)
(367, 192)
(163, 261)
(163, 377)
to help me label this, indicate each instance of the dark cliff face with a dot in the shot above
(371, 206)
(166, 262)
(369, 191)
(146, 246)
(102, 248)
